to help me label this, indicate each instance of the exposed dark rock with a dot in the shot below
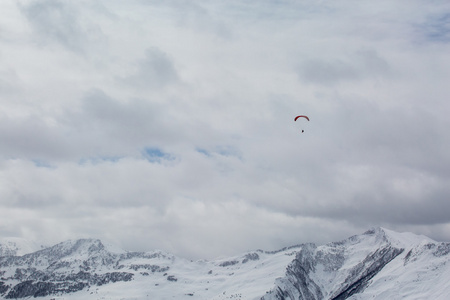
(152, 268)
(39, 283)
(229, 263)
(360, 275)
(300, 281)
(250, 256)
(3, 288)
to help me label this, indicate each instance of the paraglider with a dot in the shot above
(301, 117)
(306, 117)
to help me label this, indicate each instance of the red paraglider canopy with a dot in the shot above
(301, 117)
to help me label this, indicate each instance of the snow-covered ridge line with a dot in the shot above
(13, 246)
(360, 267)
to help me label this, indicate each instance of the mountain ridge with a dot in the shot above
(359, 267)
(14, 246)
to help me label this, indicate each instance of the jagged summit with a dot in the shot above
(70, 247)
(380, 236)
(377, 264)
(405, 239)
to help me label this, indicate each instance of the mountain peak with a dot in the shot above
(376, 263)
(381, 236)
(14, 246)
(404, 239)
(88, 246)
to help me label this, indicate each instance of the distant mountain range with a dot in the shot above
(378, 264)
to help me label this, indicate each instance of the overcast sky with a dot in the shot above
(170, 124)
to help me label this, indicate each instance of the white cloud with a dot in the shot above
(170, 124)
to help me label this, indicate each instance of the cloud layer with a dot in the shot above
(170, 124)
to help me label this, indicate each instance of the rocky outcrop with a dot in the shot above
(305, 275)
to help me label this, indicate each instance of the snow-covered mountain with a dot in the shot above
(13, 246)
(379, 264)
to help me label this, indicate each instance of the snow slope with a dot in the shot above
(379, 264)
(85, 269)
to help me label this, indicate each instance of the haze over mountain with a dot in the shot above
(378, 264)
(14, 246)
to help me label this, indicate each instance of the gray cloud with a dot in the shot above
(176, 130)
(8, 81)
(156, 70)
(62, 23)
(30, 137)
(359, 66)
